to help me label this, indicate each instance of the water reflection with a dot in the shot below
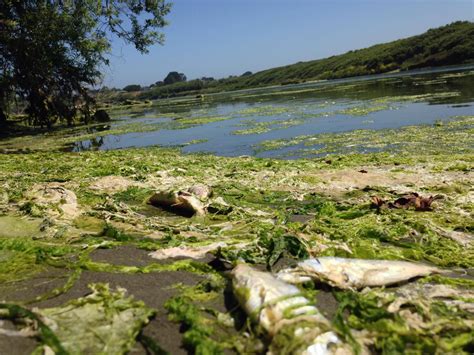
(93, 143)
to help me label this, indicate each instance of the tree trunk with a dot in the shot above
(3, 118)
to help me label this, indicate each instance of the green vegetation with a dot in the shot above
(199, 328)
(447, 45)
(398, 332)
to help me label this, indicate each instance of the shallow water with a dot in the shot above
(236, 124)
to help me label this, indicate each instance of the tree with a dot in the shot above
(174, 77)
(51, 51)
(132, 87)
(247, 73)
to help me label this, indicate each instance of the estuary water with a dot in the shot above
(239, 123)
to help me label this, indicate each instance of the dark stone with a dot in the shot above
(101, 116)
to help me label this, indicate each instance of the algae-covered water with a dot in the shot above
(385, 171)
(244, 122)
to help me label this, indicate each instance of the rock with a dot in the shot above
(101, 116)
(89, 224)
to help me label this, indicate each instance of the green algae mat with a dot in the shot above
(89, 265)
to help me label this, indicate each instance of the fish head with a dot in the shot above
(242, 286)
(312, 266)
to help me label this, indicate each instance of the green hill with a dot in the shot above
(447, 45)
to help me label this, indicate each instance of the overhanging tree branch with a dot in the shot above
(51, 50)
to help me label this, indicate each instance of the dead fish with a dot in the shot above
(276, 305)
(181, 201)
(355, 273)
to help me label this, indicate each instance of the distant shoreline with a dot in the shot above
(316, 83)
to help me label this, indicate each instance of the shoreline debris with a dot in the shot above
(412, 200)
(198, 252)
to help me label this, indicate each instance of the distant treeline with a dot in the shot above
(447, 45)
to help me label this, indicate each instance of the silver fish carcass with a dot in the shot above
(347, 273)
(292, 322)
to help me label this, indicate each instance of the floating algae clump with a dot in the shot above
(103, 322)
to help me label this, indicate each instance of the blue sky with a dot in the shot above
(228, 37)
